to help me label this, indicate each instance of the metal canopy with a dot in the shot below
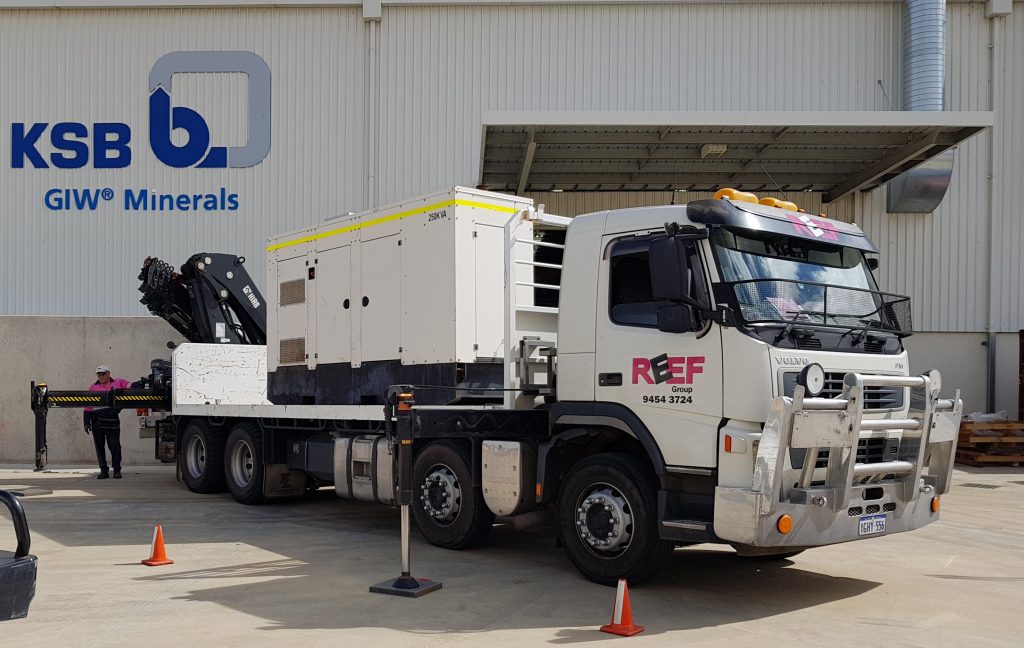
(832, 152)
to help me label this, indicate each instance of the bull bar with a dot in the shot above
(825, 509)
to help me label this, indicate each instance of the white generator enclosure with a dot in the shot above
(409, 293)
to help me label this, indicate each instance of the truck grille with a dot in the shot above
(875, 397)
(873, 450)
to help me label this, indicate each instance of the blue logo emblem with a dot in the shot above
(197, 151)
(107, 144)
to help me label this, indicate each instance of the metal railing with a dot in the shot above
(519, 273)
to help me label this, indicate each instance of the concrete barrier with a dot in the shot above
(64, 353)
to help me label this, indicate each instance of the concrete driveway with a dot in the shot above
(296, 574)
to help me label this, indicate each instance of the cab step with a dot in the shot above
(687, 530)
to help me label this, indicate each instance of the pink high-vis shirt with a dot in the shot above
(113, 383)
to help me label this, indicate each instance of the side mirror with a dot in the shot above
(872, 263)
(675, 318)
(670, 271)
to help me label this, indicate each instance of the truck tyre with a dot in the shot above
(449, 511)
(202, 457)
(243, 464)
(607, 517)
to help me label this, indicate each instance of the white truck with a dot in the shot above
(722, 371)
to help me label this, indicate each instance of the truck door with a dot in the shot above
(671, 381)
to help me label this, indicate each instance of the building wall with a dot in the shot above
(366, 113)
(961, 358)
(64, 353)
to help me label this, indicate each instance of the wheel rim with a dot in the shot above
(195, 457)
(441, 494)
(604, 520)
(241, 463)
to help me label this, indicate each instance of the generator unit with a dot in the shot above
(411, 293)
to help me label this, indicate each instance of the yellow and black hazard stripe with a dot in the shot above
(147, 397)
(75, 399)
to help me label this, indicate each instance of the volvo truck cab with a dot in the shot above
(748, 347)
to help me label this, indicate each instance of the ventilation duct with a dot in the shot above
(924, 66)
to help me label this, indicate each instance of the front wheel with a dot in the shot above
(607, 515)
(243, 464)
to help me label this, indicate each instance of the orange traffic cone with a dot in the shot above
(622, 615)
(157, 555)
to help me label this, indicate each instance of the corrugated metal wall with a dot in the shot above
(368, 113)
(941, 259)
(1008, 173)
(93, 66)
(443, 67)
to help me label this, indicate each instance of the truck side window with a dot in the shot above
(630, 301)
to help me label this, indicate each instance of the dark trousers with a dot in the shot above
(107, 429)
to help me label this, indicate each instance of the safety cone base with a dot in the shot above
(622, 630)
(157, 563)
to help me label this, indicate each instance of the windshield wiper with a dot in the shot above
(788, 329)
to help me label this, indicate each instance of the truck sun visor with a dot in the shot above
(779, 221)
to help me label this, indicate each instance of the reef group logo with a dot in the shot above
(108, 145)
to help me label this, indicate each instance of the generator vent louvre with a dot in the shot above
(293, 350)
(293, 292)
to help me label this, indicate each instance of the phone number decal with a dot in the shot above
(675, 399)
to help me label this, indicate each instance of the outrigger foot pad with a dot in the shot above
(406, 586)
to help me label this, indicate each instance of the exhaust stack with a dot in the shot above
(922, 188)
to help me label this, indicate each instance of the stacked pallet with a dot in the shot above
(987, 444)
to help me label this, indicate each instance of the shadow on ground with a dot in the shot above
(518, 581)
(330, 550)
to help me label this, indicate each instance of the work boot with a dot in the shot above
(103, 475)
(117, 474)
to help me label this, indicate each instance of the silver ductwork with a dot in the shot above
(924, 68)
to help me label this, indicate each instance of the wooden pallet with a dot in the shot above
(975, 449)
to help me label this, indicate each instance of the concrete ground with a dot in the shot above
(296, 574)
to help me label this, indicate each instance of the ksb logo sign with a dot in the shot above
(110, 143)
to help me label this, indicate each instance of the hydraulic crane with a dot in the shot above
(211, 300)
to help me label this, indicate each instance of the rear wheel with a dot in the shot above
(607, 515)
(243, 464)
(202, 458)
(449, 511)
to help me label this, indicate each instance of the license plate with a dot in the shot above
(871, 524)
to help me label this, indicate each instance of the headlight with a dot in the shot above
(812, 378)
(935, 382)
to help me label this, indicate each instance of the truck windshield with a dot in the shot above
(777, 278)
(744, 255)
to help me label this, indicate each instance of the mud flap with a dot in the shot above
(279, 481)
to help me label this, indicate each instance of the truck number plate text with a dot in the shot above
(870, 524)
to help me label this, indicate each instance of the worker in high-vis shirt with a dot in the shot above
(104, 424)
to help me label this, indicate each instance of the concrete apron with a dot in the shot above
(297, 573)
